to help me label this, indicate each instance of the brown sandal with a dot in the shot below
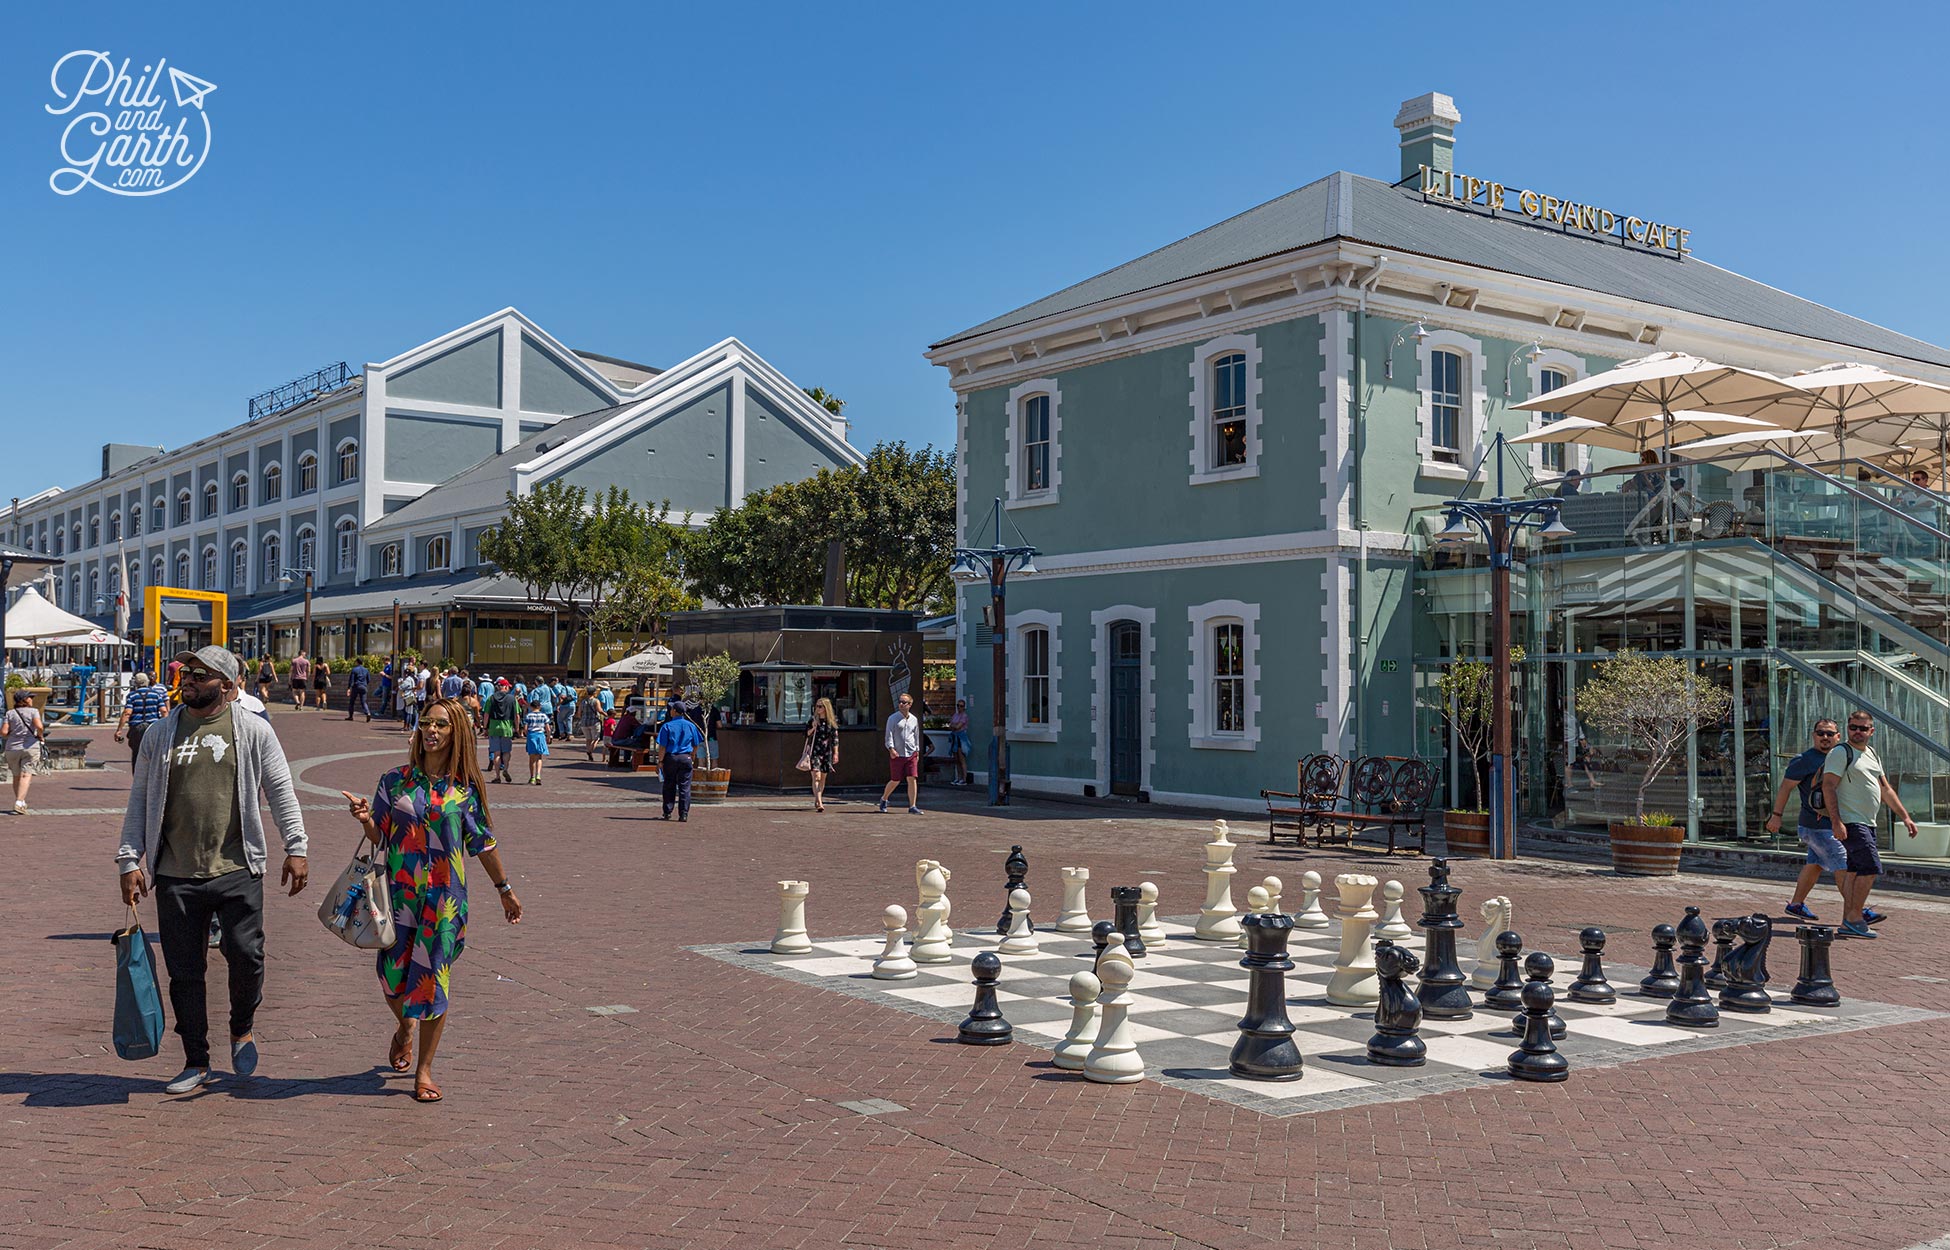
(424, 1090)
(400, 1053)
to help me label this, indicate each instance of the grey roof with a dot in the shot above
(1365, 210)
(376, 598)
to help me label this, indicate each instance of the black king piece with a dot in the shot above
(1444, 986)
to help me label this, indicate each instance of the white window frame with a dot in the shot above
(1016, 496)
(135, 576)
(115, 526)
(1469, 431)
(60, 541)
(307, 467)
(389, 561)
(272, 545)
(304, 544)
(114, 579)
(347, 555)
(160, 515)
(1203, 618)
(240, 491)
(272, 475)
(75, 539)
(209, 580)
(94, 530)
(135, 521)
(1577, 456)
(158, 571)
(183, 506)
(94, 590)
(1020, 624)
(182, 570)
(347, 448)
(240, 567)
(1205, 443)
(445, 561)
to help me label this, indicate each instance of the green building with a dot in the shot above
(1231, 451)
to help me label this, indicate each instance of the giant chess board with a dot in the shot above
(1188, 996)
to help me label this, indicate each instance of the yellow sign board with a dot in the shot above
(1447, 186)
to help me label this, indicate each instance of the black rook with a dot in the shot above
(1124, 900)
(1815, 987)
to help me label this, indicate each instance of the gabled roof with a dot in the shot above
(1366, 210)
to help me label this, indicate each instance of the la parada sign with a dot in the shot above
(1447, 186)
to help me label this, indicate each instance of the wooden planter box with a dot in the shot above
(710, 785)
(1466, 833)
(1646, 850)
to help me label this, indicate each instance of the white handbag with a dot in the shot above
(358, 909)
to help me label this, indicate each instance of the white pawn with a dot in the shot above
(1273, 886)
(1149, 929)
(1218, 920)
(1075, 1046)
(894, 964)
(1498, 917)
(1075, 916)
(1392, 926)
(1310, 916)
(791, 938)
(1256, 902)
(1022, 936)
(1354, 983)
(1113, 1057)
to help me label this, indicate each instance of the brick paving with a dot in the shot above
(716, 1113)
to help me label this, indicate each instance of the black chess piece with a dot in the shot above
(1746, 967)
(1536, 1058)
(1691, 1006)
(985, 1025)
(1017, 866)
(1443, 986)
(1724, 930)
(1664, 979)
(1265, 1049)
(1815, 987)
(1124, 901)
(1100, 934)
(1591, 985)
(1507, 993)
(1397, 1041)
(1538, 967)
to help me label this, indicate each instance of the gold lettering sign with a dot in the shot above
(1467, 191)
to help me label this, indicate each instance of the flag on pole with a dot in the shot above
(122, 612)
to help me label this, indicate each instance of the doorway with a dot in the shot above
(1126, 708)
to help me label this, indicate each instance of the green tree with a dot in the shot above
(714, 676)
(830, 402)
(1465, 687)
(1652, 702)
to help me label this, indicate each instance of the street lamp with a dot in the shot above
(996, 562)
(284, 579)
(1420, 332)
(1500, 520)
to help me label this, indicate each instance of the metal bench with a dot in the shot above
(1390, 794)
(1311, 804)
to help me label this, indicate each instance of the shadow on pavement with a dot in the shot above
(84, 1089)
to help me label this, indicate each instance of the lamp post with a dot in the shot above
(394, 696)
(284, 579)
(1499, 520)
(995, 562)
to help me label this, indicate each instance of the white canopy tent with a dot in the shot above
(34, 622)
(655, 662)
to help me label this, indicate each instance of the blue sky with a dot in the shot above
(839, 185)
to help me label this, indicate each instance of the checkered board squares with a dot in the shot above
(1188, 996)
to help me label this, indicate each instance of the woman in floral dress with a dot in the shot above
(823, 746)
(428, 817)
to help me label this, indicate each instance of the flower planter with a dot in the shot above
(1466, 833)
(710, 785)
(1646, 850)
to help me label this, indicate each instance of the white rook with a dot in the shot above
(791, 938)
(1218, 920)
(1075, 914)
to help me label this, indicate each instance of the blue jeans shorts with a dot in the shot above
(1824, 849)
(1864, 860)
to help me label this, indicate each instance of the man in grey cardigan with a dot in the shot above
(193, 825)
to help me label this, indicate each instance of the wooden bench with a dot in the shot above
(1390, 794)
(1317, 796)
(641, 758)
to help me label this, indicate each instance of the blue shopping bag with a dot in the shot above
(138, 998)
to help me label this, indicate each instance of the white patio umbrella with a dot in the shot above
(1807, 446)
(33, 621)
(655, 662)
(1886, 407)
(1639, 434)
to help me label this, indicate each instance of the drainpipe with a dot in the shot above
(1358, 509)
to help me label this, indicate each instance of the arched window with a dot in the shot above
(115, 579)
(273, 482)
(182, 581)
(307, 473)
(273, 564)
(156, 577)
(135, 521)
(348, 461)
(94, 531)
(77, 537)
(305, 542)
(210, 568)
(135, 577)
(240, 566)
(74, 593)
(240, 491)
(94, 591)
(60, 540)
(183, 502)
(158, 513)
(115, 527)
(438, 556)
(389, 560)
(348, 545)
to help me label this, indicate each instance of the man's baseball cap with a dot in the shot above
(501, 681)
(218, 660)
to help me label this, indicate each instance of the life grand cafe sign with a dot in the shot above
(1462, 191)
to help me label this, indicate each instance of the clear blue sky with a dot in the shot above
(839, 185)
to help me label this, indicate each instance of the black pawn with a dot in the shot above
(1536, 1058)
(1815, 987)
(1538, 967)
(985, 1025)
(1724, 930)
(1691, 1006)
(1265, 1049)
(1100, 933)
(1124, 901)
(1397, 1041)
(1507, 993)
(1017, 866)
(1664, 981)
(1443, 986)
(1590, 985)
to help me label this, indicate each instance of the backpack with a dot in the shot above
(1815, 796)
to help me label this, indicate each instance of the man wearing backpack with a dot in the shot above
(1803, 774)
(1853, 791)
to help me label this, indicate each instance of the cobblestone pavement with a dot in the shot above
(731, 1107)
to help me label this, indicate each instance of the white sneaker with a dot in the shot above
(189, 1080)
(20, 805)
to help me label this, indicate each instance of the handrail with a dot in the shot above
(1889, 671)
(1884, 621)
(1855, 698)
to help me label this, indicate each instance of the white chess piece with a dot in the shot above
(1392, 926)
(1498, 915)
(1354, 983)
(1273, 886)
(1075, 916)
(894, 963)
(791, 938)
(1218, 920)
(1022, 935)
(1075, 1046)
(1149, 929)
(1113, 1057)
(1257, 901)
(933, 940)
(1310, 916)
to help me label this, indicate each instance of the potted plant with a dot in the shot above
(1653, 703)
(714, 676)
(1465, 688)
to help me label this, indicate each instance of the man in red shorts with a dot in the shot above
(904, 755)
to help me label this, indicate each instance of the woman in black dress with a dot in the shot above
(823, 743)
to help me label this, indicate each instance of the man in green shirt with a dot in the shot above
(1853, 791)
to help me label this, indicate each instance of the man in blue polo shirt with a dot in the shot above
(147, 703)
(678, 739)
(1803, 774)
